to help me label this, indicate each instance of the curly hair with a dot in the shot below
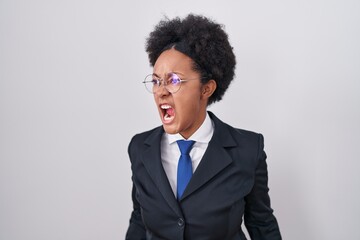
(204, 41)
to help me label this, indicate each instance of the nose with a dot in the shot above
(162, 91)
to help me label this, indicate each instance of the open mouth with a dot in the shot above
(168, 113)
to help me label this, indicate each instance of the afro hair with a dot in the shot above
(204, 41)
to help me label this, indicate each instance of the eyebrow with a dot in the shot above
(154, 74)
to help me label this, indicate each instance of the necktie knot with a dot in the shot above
(185, 146)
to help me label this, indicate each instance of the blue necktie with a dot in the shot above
(184, 171)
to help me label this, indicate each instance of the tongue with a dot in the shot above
(170, 112)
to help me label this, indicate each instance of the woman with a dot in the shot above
(195, 177)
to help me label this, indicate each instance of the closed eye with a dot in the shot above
(174, 79)
(155, 82)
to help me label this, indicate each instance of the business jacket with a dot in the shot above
(229, 184)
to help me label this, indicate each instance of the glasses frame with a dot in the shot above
(161, 81)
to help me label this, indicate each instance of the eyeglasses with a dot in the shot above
(172, 83)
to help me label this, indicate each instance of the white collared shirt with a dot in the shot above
(170, 152)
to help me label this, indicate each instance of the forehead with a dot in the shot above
(173, 61)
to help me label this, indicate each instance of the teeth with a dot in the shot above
(165, 106)
(167, 117)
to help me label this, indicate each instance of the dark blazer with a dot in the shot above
(229, 184)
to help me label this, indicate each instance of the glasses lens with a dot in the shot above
(173, 83)
(151, 83)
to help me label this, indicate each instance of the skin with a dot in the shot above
(189, 104)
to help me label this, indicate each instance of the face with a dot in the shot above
(184, 111)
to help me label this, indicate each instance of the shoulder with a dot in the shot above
(143, 135)
(147, 136)
(247, 139)
(248, 135)
(239, 134)
(246, 146)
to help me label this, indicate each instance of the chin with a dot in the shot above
(170, 130)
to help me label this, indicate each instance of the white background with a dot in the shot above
(71, 98)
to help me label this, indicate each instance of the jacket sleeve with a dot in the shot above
(258, 217)
(136, 230)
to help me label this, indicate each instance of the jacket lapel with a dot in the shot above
(215, 159)
(152, 161)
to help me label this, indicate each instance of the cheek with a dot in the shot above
(190, 95)
(185, 101)
(189, 105)
(156, 98)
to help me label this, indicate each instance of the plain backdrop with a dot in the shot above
(71, 98)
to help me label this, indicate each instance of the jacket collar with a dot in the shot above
(215, 159)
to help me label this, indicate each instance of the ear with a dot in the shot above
(208, 88)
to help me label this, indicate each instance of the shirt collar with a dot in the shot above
(202, 135)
